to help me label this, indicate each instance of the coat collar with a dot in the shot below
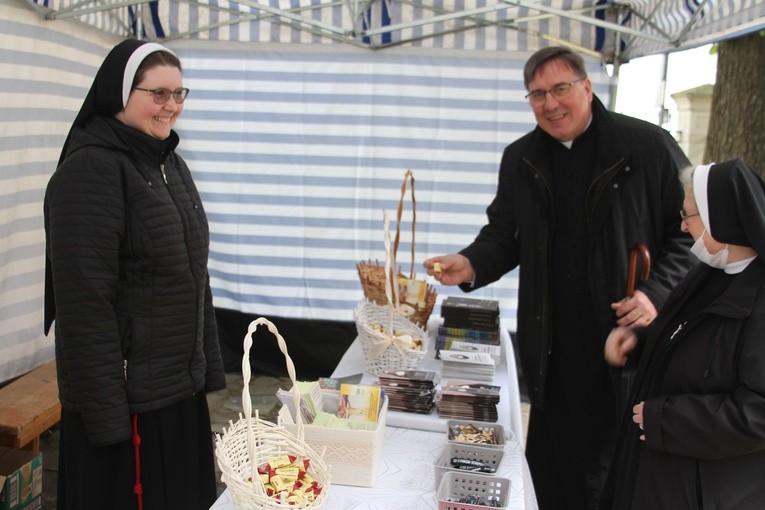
(738, 299)
(611, 149)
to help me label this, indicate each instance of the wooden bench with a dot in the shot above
(29, 406)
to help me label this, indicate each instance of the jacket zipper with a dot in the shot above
(124, 368)
(546, 350)
(162, 169)
(592, 185)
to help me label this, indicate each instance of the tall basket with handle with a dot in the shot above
(389, 340)
(251, 442)
(418, 303)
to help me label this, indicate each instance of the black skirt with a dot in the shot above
(177, 465)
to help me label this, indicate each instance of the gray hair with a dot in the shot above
(686, 177)
(542, 57)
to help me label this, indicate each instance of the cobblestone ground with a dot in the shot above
(224, 405)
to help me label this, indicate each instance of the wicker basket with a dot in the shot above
(251, 442)
(383, 350)
(373, 278)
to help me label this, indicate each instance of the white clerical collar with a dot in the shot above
(570, 143)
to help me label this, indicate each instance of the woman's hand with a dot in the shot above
(450, 269)
(637, 417)
(620, 342)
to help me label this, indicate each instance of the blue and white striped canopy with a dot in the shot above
(611, 30)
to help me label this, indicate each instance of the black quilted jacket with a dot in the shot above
(127, 246)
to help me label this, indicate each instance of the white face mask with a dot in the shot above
(718, 260)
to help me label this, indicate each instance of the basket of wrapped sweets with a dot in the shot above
(263, 465)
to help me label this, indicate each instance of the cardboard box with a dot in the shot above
(20, 479)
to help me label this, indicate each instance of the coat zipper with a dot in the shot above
(162, 169)
(592, 185)
(546, 350)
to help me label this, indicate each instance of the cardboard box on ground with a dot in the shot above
(20, 479)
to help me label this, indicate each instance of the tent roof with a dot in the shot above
(614, 31)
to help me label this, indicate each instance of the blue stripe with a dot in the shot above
(356, 120)
(338, 161)
(339, 182)
(301, 139)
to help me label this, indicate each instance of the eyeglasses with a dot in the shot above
(684, 216)
(162, 96)
(559, 91)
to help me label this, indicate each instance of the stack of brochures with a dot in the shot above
(468, 400)
(354, 406)
(476, 366)
(410, 391)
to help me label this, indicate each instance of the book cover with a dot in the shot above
(359, 403)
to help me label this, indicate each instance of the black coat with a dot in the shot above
(127, 245)
(704, 412)
(635, 195)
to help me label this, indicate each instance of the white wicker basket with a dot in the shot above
(385, 350)
(251, 442)
(389, 349)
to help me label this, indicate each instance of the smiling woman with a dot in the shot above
(128, 241)
(151, 109)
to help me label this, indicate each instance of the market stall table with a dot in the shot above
(505, 376)
(405, 477)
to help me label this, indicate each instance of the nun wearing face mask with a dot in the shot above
(694, 435)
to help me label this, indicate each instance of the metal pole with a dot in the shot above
(662, 92)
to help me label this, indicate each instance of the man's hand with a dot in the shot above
(450, 269)
(635, 311)
(620, 342)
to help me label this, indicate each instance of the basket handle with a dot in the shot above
(246, 376)
(407, 176)
(391, 285)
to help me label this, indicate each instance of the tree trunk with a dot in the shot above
(737, 120)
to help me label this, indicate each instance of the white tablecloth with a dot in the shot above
(406, 477)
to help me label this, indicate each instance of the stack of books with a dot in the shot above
(410, 391)
(468, 400)
(468, 320)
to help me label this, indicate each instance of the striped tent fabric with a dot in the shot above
(612, 30)
(711, 21)
(45, 72)
(296, 149)
(297, 152)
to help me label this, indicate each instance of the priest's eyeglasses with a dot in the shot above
(559, 92)
(684, 216)
(162, 96)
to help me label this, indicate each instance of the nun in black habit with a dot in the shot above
(136, 341)
(694, 435)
